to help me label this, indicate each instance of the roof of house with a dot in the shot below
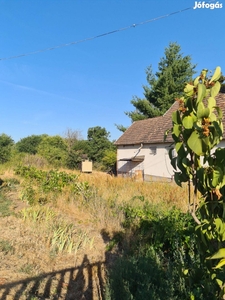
(151, 131)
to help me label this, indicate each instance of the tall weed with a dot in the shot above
(61, 235)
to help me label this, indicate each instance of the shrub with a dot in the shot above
(6, 145)
(161, 260)
(39, 184)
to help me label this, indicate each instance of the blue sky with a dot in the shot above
(92, 83)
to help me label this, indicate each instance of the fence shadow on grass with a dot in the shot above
(85, 282)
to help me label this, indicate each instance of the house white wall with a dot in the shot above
(156, 160)
(221, 144)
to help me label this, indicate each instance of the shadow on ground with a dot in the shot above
(85, 282)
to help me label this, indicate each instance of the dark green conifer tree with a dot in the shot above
(174, 71)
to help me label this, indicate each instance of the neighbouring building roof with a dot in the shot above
(151, 131)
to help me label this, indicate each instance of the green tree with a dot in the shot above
(29, 144)
(109, 160)
(98, 142)
(174, 71)
(54, 149)
(75, 155)
(6, 145)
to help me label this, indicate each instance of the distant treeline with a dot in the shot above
(62, 151)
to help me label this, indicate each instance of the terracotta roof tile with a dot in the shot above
(151, 131)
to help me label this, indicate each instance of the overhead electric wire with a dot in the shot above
(97, 36)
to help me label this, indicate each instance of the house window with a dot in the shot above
(153, 150)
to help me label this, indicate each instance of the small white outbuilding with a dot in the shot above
(86, 166)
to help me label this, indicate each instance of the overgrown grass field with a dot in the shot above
(100, 237)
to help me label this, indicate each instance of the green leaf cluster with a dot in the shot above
(197, 130)
(39, 184)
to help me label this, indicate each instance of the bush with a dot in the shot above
(54, 150)
(6, 145)
(140, 277)
(38, 185)
(29, 144)
(161, 261)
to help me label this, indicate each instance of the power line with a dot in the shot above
(97, 36)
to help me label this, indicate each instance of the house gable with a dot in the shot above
(145, 139)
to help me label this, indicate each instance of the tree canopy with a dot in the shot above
(67, 151)
(77, 153)
(29, 144)
(174, 71)
(54, 149)
(98, 142)
(6, 144)
(97, 148)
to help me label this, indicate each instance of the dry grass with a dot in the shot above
(127, 190)
(29, 243)
(108, 194)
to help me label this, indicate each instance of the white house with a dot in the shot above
(141, 150)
